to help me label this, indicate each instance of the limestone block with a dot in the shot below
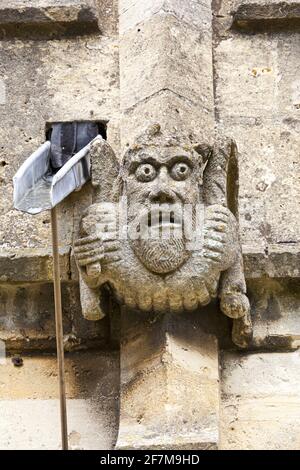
(58, 18)
(27, 318)
(108, 16)
(260, 401)
(263, 15)
(169, 385)
(135, 12)
(44, 11)
(148, 67)
(262, 116)
(86, 373)
(28, 400)
(23, 425)
(274, 261)
(32, 266)
(289, 69)
(174, 113)
(252, 213)
(275, 309)
(268, 182)
(48, 19)
(247, 83)
(256, 16)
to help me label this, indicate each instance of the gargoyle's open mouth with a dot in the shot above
(160, 220)
(163, 219)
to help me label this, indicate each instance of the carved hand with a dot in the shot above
(100, 245)
(234, 304)
(219, 236)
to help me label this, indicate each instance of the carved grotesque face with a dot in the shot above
(159, 183)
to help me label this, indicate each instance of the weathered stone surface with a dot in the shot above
(61, 11)
(49, 81)
(23, 425)
(256, 16)
(169, 385)
(50, 18)
(261, 15)
(33, 265)
(135, 12)
(274, 261)
(149, 86)
(108, 16)
(260, 401)
(262, 116)
(87, 373)
(168, 108)
(275, 308)
(27, 318)
(148, 67)
(54, 90)
(28, 400)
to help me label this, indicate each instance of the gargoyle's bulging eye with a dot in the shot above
(180, 171)
(145, 172)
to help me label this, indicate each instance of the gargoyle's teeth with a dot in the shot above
(161, 219)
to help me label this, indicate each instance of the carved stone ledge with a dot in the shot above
(33, 266)
(27, 319)
(266, 16)
(281, 261)
(54, 17)
(275, 311)
(276, 261)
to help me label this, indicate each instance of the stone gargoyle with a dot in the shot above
(156, 273)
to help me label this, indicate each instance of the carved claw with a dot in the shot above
(242, 331)
(90, 302)
(234, 304)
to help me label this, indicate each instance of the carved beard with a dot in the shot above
(159, 255)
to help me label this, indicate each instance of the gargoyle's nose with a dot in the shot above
(162, 193)
(162, 196)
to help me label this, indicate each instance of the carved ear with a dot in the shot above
(204, 150)
(104, 169)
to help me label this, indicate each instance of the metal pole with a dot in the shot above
(59, 331)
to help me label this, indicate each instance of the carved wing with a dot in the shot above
(104, 176)
(104, 171)
(220, 181)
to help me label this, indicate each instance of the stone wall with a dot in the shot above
(65, 60)
(49, 77)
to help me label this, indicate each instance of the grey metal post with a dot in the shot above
(37, 190)
(59, 331)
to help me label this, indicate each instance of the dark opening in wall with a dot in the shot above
(101, 126)
(68, 138)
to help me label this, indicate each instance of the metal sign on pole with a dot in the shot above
(37, 188)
